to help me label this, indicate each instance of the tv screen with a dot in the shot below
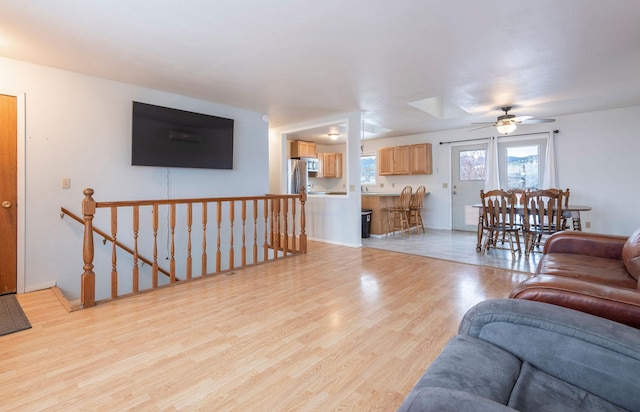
(167, 137)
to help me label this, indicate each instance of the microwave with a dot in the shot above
(312, 165)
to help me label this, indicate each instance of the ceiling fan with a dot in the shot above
(507, 123)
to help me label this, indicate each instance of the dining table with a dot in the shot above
(569, 211)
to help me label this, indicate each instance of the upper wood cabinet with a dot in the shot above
(401, 160)
(385, 161)
(329, 165)
(303, 149)
(404, 160)
(420, 159)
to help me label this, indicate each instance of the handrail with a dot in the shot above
(273, 218)
(65, 211)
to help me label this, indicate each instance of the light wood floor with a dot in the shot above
(336, 329)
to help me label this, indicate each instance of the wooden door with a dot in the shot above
(8, 195)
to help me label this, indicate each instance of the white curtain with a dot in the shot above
(492, 176)
(550, 174)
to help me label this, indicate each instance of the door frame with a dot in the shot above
(21, 185)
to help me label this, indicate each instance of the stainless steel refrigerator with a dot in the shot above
(297, 175)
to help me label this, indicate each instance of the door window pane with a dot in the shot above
(472, 164)
(523, 167)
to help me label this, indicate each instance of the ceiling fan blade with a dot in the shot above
(481, 127)
(521, 119)
(489, 123)
(531, 121)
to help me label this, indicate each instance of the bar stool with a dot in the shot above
(415, 208)
(400, 212)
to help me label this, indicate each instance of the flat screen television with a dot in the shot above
(167, 137)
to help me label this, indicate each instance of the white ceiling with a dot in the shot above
(307, 59)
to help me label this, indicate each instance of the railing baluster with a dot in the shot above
(204, 238)
(136, 229)
(303, 221)
(154, 268)
(243, 260)
(114, 259)
(265, 245)
(231, 219)
(294, 247)
(189, 223)
(255, 231)
(218, 221)
(172, 246)
(285, 217)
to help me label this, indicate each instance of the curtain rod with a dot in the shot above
(500, 137)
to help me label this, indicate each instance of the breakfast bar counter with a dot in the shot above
(378, 203)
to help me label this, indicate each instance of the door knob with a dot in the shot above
(6, 204)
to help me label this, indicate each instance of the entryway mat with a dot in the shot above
(12, 317)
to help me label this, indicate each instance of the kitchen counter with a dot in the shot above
(380, 194)
(379, 203)
(328, 193)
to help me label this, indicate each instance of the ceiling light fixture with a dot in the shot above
(506, 127)
(334, 136)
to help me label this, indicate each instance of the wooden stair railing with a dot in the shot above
(279, 213)
(106, 237)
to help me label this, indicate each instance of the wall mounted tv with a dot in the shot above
(167, 137)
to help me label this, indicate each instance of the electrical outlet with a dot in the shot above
(381, 185)
(66, 183)
(393, 185)
(445, 185)
(587, 225)
(352, 188)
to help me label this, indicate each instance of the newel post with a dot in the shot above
(303, 221)
(88, 279)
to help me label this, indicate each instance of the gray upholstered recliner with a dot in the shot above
(513, 354)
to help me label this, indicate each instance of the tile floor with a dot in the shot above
(458, 246)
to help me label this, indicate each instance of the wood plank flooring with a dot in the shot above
(336, 329)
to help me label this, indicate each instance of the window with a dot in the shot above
(472, 164)
(368, 169)
(522, 167)
(522, 163)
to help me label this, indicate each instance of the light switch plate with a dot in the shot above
(66, 183)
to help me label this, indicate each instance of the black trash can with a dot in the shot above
(366, 222)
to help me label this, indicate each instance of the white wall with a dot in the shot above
(80, 127)
(331, 219)
(597, 158)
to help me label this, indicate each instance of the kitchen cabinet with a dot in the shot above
(329, 165)
(401, 160)
(420, 159)
(303, 149)
(405, 160)
(385, 161)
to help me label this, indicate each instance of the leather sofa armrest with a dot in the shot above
(581, 243)
(615, 303)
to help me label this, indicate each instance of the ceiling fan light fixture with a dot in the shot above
(334, 136)
(506, 127)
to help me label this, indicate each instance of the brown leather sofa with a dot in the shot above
(592, 273)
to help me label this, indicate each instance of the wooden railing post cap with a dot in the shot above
(88, 204)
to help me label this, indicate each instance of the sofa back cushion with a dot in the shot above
(631, 254)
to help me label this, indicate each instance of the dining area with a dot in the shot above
(520, 220)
